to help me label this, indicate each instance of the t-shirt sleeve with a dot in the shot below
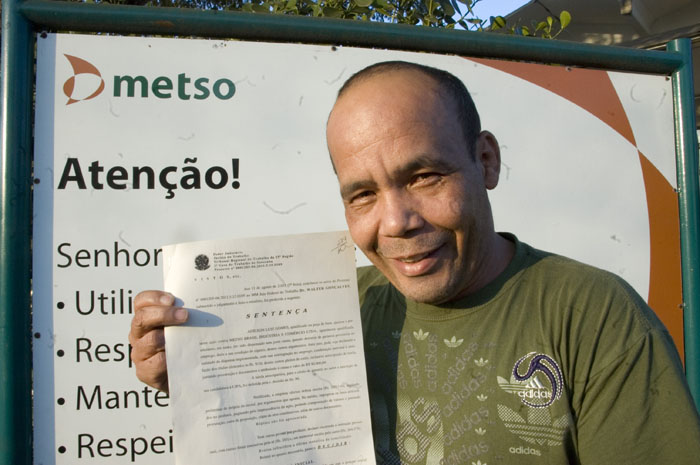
(637, 409)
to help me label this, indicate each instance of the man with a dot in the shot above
(479, 348)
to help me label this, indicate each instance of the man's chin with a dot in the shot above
(425, 289)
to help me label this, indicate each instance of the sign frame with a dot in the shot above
(21, 19)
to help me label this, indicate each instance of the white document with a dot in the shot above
(269, 368)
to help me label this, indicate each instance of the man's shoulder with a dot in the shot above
(552, 271)
(588, 294)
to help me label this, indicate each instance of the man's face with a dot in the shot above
(414, 194)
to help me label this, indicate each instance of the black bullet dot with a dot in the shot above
(60, 305)
(61, 401)
(60, 353)
(61, 449)
(37, 180)
(37, 335)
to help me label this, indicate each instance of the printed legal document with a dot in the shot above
(269, 369)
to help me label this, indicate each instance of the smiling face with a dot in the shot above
(414, 193)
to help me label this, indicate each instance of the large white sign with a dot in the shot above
(142, 142)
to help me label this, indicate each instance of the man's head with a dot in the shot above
(413, 186)
(450, 87)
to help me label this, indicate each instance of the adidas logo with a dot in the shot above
(532, 363)
(534, 425)
(524, 451)
(534, 389)
(420, 334)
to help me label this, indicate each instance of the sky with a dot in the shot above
(486, 8)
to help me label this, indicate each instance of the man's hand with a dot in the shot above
(152, 311)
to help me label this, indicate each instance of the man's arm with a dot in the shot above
(153, 310)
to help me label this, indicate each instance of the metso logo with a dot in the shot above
(87, 83)
(90, 86)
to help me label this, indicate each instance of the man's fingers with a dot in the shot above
(152, 371)
(149, 315)
(153, 298)
(148, 345)
(148, 318)
(153, 310)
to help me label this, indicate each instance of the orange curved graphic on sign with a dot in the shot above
(665, 285)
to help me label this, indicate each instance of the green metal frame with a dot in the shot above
(687, 169)
(15, 237)
(20, 19)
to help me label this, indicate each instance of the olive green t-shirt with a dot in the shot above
(554, 362)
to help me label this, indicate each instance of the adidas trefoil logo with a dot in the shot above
(396, 334)
(482, 397)
(480, 431)
(535, 426)
(454, 342)
(420, 334)
(481, 362)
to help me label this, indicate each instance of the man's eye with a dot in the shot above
(362, 197)
(426, 178)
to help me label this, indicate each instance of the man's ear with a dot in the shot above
(488, 154)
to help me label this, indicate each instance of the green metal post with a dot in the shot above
(16, 79)
(689, 202)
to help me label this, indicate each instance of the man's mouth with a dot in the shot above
(414, 258)
(416, 264)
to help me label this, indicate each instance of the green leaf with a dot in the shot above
(363, 3)
(429, 7)
(446, 7)
(550, 21)
(331, 12)
(541, 25)
(525, 30)
(564, 18)
(499, 20)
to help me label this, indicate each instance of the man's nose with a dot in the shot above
(398, 215)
